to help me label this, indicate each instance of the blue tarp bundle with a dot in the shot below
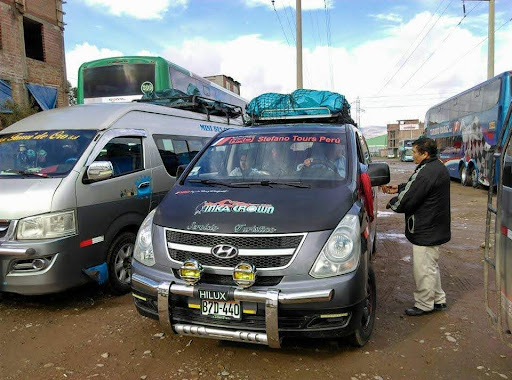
(46, 97)
(5, 95)
(299, 102)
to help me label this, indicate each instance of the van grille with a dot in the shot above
(260, 246)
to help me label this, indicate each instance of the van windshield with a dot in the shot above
(288, 158)
(42, 153)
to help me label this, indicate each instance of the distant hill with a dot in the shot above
(373, 130)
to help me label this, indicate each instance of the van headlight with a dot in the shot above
(47, 226)
(143, 251)
(342, 251)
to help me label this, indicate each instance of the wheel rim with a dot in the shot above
(123, 266)
(474, 177)
(462, 175)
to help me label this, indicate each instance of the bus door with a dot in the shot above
(498, 237)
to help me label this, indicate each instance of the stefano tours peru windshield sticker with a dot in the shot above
(228, 205)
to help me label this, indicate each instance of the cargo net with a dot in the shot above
(178, 99)
(300, 105)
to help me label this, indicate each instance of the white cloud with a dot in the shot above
(393, 17)
(306, 5)
(269, 66)
(83, 53)
(145, 10)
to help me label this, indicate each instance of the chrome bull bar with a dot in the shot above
(270, 298)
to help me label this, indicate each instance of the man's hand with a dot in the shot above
(389, 189)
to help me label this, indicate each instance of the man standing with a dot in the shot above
(425, 201)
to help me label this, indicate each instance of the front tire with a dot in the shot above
(119, 263)
(464, 176)
(367, 319)
(474, 177)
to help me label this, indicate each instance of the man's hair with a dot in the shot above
(424, 144)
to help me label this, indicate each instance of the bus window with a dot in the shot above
(453, 112)
(117, 80)
(179, 80)
(491, 94)
(476, 101)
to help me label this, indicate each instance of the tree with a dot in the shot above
(71, 94)
(17, 113)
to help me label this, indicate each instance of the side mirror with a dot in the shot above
(379, 173)
(100, 170)
(180, 170)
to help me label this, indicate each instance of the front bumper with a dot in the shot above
(270, 299)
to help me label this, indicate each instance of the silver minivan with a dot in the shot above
(77, 182)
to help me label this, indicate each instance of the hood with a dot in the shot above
(255, 210)
(22, 197)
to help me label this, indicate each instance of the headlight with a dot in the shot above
(47, 226)
(341, 253)
(143, 251)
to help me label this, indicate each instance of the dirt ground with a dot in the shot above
(86, 333)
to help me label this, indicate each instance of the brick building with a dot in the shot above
(32, 61)
(226, 82)
(403, 130)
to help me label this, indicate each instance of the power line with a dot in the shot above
(412, 52)
(459, 59)
(279, 19)
(329, 44)
(442, 42)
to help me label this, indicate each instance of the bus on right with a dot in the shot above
(467, 125)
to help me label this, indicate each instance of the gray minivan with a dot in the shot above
(77, 182)
(268, 234)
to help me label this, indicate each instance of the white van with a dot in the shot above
(77, 182)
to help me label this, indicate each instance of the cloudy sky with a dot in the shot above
(399, 57)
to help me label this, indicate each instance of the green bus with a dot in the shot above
(124, 79)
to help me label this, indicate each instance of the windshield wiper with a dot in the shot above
(269, 183)
(213, 182)
(27, 173)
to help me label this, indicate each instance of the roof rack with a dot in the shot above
(195, 103)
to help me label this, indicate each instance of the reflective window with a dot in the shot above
(177, 150)
(44, 153)
(125, 154)
(117, 80)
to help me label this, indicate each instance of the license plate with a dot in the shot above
(221, 310)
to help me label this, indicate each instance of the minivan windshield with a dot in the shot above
(42, 153)
(288, 159)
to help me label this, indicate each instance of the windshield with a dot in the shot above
(117, 80)
(42, 153)
(272, 159)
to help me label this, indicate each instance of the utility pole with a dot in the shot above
(359, 110)
(490, 49)
(298, 13)
(490, 36)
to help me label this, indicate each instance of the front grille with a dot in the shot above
(239, 241)
(218, 279)
(207, 259)
(4, 227)
(260, 244)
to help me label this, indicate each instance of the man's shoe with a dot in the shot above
(439, 306)
(414, 311)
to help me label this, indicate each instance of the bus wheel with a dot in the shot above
(474, 177)
(464, 178)
(119, 263)
(367, 318)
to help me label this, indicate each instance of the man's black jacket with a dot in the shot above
(425, 200)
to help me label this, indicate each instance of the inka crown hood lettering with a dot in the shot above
(254, 210)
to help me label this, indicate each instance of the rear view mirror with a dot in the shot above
(379, 173)
(180, 170)
(100, 170)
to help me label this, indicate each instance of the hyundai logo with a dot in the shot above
(223, 251)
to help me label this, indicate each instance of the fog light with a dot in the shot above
(244, 275)
(191, 271)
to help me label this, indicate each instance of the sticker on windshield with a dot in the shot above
(278, 138)
(228, 205)
(60, 135)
